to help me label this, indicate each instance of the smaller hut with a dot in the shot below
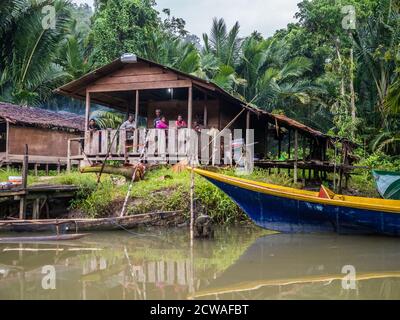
(47, 134)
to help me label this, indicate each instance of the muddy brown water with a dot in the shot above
(240, 263)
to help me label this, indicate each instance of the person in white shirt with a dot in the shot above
(129, 125)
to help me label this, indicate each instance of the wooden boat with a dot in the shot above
(60, 237)
(292, 210)
(387, 184)
(104, 224)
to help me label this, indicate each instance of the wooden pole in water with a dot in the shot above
(22, 201)
(191, 203)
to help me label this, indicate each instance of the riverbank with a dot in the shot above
(165, 190)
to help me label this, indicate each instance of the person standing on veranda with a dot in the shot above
(129, 126)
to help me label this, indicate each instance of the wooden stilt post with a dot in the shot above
(289, 148)
(279, 144)
(47, 169)
(136, 133)
(87, 110)
(69, 156)
(296, 154)
(22, 202)
(190, 107)
(279, 148)
(205, 115)
(266, 141)
(340, 186)
(334, 169)
(36, 209)
(137, 108)
(36, 169)
(248, 120)
(304, 156)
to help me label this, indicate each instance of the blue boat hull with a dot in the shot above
(295, 216)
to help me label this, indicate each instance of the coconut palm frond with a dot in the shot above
(108, 119)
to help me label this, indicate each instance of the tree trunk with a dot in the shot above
(352, 92)
(126, 172)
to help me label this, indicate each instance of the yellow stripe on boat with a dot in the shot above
(374, 204)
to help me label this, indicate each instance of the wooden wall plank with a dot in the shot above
(140, 86)
(138, 78)
(138, 69)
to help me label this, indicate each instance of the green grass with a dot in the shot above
(165, 190)
(4, 174)
(162, 190)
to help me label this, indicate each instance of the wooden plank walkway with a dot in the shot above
(37, 190)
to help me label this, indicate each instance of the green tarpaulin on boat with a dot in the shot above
(388, 184)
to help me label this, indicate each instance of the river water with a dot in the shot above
(240, 263)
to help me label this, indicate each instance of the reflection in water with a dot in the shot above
(241, 263)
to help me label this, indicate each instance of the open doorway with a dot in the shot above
(3, 136)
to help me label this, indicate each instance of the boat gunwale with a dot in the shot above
(301, 195)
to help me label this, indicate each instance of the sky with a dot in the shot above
(265, 16)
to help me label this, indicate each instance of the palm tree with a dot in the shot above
(224, 45)
(108, 119)
(284, 85)
(376, 47)
(173, 52)
(221, 55)
(74, 57)
(30, 71)
(392, 102)
(387, 141)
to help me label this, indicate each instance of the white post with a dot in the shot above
(190, 107)
(87, 111)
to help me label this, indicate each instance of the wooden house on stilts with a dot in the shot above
(140, 86)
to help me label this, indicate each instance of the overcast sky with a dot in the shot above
(265, 16)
